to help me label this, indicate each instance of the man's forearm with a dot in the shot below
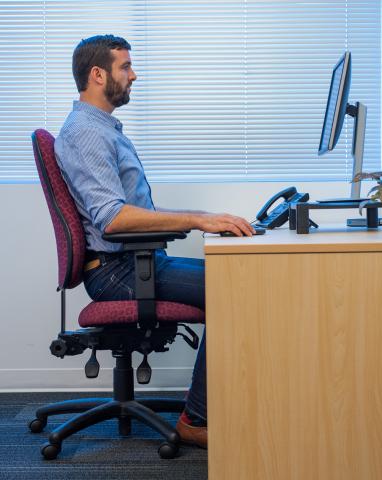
(136, 219)
(168, 210)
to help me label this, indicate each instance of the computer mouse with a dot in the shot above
(258, 230)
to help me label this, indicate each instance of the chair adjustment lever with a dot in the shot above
(92, 365)
(143, 259)
(194, 340)
(144, 371)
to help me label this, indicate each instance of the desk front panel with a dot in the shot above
(294, 366)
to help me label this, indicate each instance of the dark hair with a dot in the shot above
(94, 51)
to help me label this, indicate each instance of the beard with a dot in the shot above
(114, 92)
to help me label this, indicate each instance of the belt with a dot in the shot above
(95, 259)
(92, 264)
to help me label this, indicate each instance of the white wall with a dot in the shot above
(30, 306)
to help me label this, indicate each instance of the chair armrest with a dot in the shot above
(138, 237)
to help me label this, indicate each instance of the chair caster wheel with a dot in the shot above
(50, 451)
(168, 450)
(36, 425)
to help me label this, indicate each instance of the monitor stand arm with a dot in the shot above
(358, 112)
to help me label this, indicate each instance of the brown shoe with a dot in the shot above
(192, 435)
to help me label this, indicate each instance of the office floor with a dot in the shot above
(96, 453)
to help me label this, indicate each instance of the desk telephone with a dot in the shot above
(280, 214)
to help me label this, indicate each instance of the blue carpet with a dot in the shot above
(95, 453)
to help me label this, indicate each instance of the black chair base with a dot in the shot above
(123, 407)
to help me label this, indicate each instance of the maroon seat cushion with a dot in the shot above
(120, 312)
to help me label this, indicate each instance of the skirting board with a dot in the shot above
(74, 379)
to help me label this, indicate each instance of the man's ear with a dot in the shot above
(97, 75)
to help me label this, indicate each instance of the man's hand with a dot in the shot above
(224, 222)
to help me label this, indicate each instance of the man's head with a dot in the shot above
(102, 69)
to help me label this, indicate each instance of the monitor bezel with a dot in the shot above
(340, 100)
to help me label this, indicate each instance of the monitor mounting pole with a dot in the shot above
(358, 112)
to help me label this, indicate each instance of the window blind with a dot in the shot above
(226, 90)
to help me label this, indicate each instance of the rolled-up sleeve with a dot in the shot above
(89, 163)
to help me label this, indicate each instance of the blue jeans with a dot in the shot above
(177, 279)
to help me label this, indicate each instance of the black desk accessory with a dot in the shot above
(345, 199)
(258, 230)
(299, 213)
(351, 222)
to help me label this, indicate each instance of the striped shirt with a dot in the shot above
(102, 170)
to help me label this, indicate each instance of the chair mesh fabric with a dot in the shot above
(122, 312)
(69, 233)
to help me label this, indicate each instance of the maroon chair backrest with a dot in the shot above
(68, 229)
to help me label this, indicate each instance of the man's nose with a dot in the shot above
(133, 76)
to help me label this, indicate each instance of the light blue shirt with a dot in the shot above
(102, 170)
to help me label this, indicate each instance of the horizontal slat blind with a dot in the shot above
(226, 90)
(22, 86)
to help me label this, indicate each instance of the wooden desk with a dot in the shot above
(294, 362)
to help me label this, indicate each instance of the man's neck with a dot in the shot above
(96, 101)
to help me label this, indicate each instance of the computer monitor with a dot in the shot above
(337, 108)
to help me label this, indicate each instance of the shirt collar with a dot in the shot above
(98, 113)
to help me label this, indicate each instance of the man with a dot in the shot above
(108, 184)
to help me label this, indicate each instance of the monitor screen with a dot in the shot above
(336, 105)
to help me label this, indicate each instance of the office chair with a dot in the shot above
(143, 325)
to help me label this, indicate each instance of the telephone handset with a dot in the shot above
(280, 214)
